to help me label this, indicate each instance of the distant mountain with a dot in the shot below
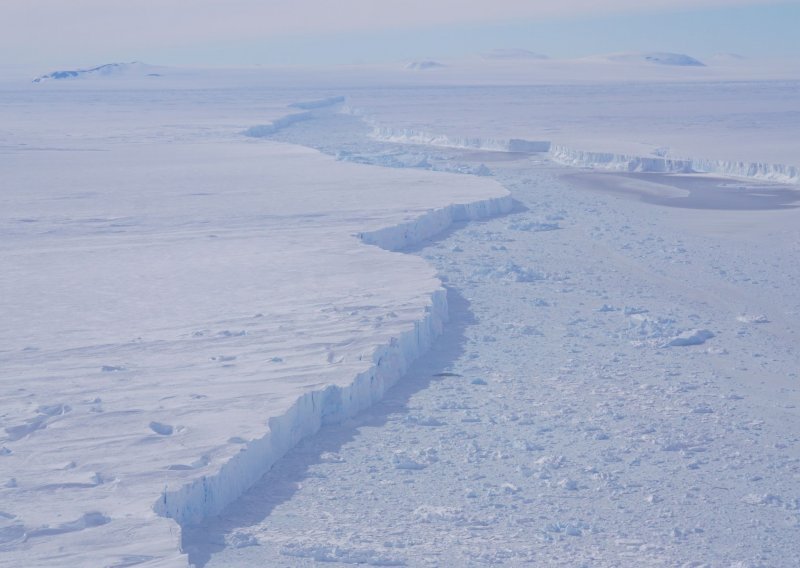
(659, 58)
(513, 54)
(424, 65)
(108, 69)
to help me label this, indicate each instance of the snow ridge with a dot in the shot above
(264, 130)
(308, 107)
(209, 494)
(319, 103)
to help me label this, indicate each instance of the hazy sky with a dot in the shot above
(62, 32)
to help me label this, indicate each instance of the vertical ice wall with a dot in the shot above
(630, 163)
(568, 155)
(209, 494)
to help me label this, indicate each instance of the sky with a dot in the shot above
(309, 32)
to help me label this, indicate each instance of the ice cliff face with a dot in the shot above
(619, 162)
(575, 157)
(410, 136)
(627, 163)
(208, 495)
(758, 170)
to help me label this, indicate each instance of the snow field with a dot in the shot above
(179, 313)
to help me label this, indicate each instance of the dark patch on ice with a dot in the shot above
(162, 429)
(704, 191)
(131, 560)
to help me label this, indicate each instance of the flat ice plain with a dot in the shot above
(188, 292)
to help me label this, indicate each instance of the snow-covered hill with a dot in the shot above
(659, 58)
(109, 69)
(424, 65)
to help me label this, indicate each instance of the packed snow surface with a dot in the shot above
(188, 293)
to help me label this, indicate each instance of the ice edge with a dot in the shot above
(569, 156)
(208, 495)
(657, 164)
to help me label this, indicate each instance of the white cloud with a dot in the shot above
(81, 25)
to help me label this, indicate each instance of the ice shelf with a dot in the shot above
(178, 315)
